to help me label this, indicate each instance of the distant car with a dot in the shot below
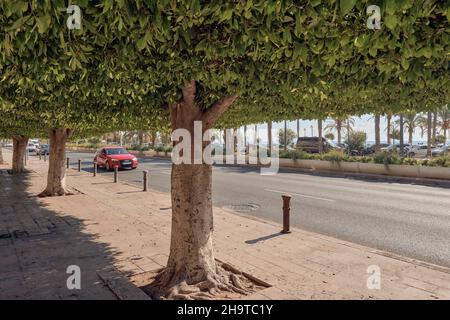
(31, 148)
(418, 151)
(110, 157)
(440, 151)
(396, 147)
(43, 150)
(311, 144)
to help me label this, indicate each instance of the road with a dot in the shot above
(407, 219)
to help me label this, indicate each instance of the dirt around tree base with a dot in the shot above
(240, 285)
(67, 192)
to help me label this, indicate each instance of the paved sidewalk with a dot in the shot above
(118, 225)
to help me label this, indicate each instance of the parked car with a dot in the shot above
(396, 147)
(418, 151)
(31, 148)
(440, 151)
(311, 144)
(109, 157)
(43, 150)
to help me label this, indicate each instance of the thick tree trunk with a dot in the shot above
(410, 135)
(20, 144)
(191, 270)
(377, 133)
(56, 178)
(298, 128)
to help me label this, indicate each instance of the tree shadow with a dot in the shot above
(38, 244)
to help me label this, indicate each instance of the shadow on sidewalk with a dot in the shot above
(38, 244)
(254, 241)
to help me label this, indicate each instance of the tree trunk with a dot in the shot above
(298, 128)
(410, 135)
(429, 133)
(285, 135)
(56, 178)
(319, 128)
(191, 270)
(339, 131)
(1, 153)
(20, 144)
(141, 139)
(433, 138)
(401, 135)
(269, 135)
(388, 119)
(377, 133)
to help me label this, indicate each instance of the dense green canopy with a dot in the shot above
(285, 59)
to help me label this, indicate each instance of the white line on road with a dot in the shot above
(300, 195)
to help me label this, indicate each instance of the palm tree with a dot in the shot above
(338, 124)
(388, 127)
(443, 120)
(411, 122)
(377, 132)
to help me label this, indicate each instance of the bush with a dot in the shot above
(159, 148)
(386, 158)
(295, 154)
(335, 156)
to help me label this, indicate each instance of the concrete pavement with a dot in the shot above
(389, 214)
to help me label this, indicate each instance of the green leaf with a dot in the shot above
(390, 21)
(43, 23)
(346, 6)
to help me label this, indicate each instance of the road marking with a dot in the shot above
(300, 195)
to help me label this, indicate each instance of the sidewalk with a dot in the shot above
(117, 224)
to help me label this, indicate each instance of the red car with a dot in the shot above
(109, 157)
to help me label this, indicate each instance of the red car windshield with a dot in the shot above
(116, 151)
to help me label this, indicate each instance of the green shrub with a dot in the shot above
(295, 154)
(159, 148)
(386, 158)
(335, 156)
(167, 149)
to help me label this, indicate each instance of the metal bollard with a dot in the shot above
(95, 168)
(40, 156)
(116, 174)
(145, 172)
(79, 165)
(45, 157)
(286, 212)
(67, 163)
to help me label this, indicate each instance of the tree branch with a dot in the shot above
(213, 113)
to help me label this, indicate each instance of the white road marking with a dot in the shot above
(300, 195)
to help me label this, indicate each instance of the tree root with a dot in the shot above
(168, 285)
(47, 193)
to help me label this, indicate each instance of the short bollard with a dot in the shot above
(286, 212)
(145, 172)
(79, 165)
(95, 168)
(116, 174)
(40, 156)
(67, 163)
(45, 157)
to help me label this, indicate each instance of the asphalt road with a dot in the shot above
(401, 217)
